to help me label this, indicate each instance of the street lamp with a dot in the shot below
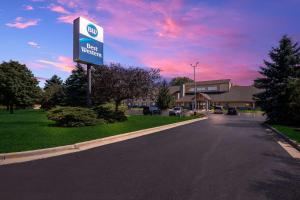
(195, 87)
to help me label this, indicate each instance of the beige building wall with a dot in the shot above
(224, 87)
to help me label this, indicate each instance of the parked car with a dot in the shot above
(218, 110)
(151, 110)
(176, 111)
(232, 111)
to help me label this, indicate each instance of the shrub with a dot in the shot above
(108, 113)
(72, 116)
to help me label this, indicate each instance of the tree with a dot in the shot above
(18, 86)
(54, 80)
(277, 73)
(294, 101)
(118, 83)
(54, 93)
(177, 81)
(76, 87)
(164, 99)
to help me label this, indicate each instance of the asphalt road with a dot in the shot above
(224, 157)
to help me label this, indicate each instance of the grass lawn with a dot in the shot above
(30, 129)
(250, 111)
(289, 132)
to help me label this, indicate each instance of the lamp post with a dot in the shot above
(195, 87)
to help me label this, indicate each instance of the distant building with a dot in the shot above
(214, 92)
(209, 93)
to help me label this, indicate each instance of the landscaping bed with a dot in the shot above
(30, 129)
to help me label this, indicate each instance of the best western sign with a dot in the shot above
(87, 42)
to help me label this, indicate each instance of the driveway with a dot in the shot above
(224, 157)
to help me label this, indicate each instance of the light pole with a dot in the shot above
(195, 87)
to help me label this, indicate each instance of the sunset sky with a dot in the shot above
(229, 38)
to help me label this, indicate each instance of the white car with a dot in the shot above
(177, 111)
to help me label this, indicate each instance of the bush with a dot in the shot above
(72, 116)
(108, 113)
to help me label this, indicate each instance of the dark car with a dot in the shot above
(232, 111)
(218, 110)
(151, 110)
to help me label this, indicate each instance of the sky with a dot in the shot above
(229, 38)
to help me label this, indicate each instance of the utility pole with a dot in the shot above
(89, 86)
(195, 87)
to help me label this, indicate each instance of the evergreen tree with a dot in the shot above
(164, 99)
(54, 80)
(294, 101)
(76, 87)
(18, 86)
(54, 93)
(275, 95)
(177, 81)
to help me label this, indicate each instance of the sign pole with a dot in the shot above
(89, 85)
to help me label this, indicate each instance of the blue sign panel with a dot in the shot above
(88, 42)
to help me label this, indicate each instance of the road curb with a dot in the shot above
(281, 135)
(17, 157)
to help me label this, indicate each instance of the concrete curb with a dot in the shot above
(281, 135)
(17, 157)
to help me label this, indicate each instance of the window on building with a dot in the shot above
(212, 88)
(201, 89)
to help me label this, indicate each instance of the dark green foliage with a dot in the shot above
(18, 86)
(294, 101)
(54, 80)
(76, 87)
(54, 93)
(53, 96)
(177, 81)
(164, 99)
(72, 116)
(275, 95)
(109, 114)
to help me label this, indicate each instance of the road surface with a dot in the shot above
(222, 158)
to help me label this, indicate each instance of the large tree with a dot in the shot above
(164, 99)
(177, 81)
(54, 93)
(18, 86)
(118, 83)
(76, 87)
(277, 73)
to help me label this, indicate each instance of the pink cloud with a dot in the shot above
(22, 23)
(41, 78)
(171, 36)
(28, 7)
(58, 9)
(63, 63)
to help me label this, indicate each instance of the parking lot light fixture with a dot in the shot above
(195, 87)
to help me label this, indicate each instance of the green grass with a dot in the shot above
(250, 111)
(289, 132)
(30, 129)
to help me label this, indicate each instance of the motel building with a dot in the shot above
(209, 93)
(212, 93)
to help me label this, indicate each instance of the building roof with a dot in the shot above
(174, 89)
(211, 82)
(190, 98)
(236, 94)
